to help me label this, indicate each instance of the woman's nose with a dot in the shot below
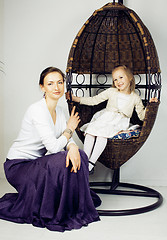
(56, 86)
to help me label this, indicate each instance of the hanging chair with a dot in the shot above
(115, 35)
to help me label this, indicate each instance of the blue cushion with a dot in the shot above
(127, 135)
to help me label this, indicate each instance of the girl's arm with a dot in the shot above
(140, 109)
(74, 98)
(154, 99)
(101, 97)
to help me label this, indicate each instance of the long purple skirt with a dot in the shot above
(49, 195)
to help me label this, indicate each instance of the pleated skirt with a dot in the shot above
(48, 194)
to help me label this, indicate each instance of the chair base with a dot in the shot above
(139, 191)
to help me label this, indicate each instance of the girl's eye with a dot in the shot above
(49, 84)
(61, 82)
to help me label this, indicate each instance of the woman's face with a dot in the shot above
(121, 81)
(53, 86)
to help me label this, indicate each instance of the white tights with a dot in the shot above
(93, 147)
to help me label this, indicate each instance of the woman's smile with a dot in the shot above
(56, 93)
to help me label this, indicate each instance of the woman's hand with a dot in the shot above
(74, 98)
(73, 155)
(73, 120)
(154, 99)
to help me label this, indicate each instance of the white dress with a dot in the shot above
(107, 123)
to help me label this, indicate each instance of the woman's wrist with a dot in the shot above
(72, 145)
(69, 131)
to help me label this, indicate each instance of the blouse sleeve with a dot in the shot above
(101, 97)
(46, 130)
(64, 123)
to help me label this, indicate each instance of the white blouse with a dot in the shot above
(38, 134)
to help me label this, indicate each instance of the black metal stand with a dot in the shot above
(142, 191)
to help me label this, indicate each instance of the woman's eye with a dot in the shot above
(61, 82)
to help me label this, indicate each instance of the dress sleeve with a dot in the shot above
(101, 97)
(46, 130)
(140, 109)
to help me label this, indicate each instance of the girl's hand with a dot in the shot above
(154, 99)
(73, 155)
(74, 98)
(73, 120)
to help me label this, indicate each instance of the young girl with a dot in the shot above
(106, 123)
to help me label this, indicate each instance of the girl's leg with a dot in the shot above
(88, 144)
(99, 147)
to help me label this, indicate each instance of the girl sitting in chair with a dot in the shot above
(106, 123)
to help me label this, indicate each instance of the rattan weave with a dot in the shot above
(113, 35)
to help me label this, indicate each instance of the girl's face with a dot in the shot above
(121, 81)
(53, 86)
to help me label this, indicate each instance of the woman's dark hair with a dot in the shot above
(48, 70)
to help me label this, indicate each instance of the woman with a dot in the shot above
(52, 185)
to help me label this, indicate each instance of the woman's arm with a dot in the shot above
(38, 115)
(71, 124)
(52, 144)
(73, 155)
(45, 131)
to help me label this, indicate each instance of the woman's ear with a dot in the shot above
(42, 88)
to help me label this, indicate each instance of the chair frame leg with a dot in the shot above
(139, 191)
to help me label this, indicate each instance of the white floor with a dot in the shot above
(148, 226)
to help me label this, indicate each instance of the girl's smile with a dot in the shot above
(121, 81)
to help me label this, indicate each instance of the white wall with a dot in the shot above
(1, 82)
(39, 33)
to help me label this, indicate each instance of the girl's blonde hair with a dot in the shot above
(129, 74)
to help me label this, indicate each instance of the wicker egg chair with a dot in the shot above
(115, 35)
